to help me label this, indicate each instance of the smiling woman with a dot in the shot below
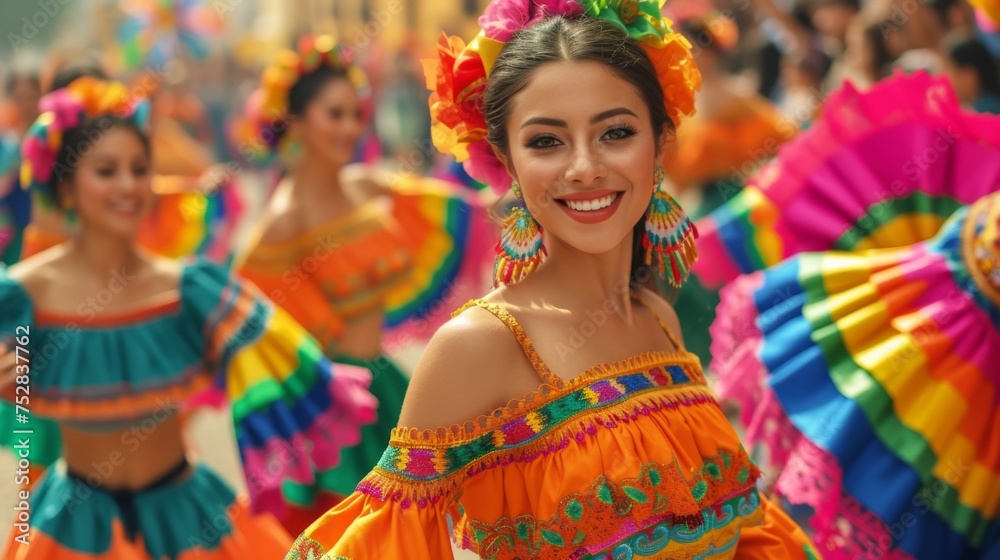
(517, 445)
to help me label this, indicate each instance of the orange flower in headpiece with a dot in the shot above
(98, 97)
(678, 75)
(457, 81)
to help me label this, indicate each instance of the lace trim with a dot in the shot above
(844, 529)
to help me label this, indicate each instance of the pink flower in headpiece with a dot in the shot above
(41, 158)
(484, 167)
(503, 18)
(65, 109)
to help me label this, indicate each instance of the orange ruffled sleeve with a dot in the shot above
(777, 537)
(376, 522)
(301, 298)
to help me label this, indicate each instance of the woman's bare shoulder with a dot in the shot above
(279, 222)
(464, 372)
(38, 273)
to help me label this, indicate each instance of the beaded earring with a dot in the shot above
(670, 235)
(520, 249)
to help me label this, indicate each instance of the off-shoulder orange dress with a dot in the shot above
(632, 459)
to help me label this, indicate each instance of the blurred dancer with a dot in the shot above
(195, 209)
(342, 249)
(114, 339)
(974, 73)
(22, 92)
(734, 131)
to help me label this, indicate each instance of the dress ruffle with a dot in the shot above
(196, 518)
(882, 168)
(871, 378)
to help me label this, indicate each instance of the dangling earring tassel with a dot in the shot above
(520, 249)
(669, 237)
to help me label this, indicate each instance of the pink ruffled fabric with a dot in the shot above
(844, 529)
(736, 341)
(317, 449)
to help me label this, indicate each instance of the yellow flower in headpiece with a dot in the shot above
(98, 96)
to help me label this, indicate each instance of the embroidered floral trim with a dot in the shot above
(306, 548)
(423, 475)
(660, 509)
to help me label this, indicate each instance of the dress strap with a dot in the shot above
(522, 338)
(666, 330)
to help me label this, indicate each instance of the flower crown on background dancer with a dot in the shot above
(63, 110)
(458, 78)
(266, 111)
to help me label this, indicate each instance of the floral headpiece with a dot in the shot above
(65, 109)
(981, 245)
(457, 78)
(266, 111)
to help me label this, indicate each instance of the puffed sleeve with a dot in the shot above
(293, 409)
(451, 241)
(36, 439)
(776, 538)
(400, 510)
(305, 301)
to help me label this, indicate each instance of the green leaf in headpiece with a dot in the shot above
(641, 19)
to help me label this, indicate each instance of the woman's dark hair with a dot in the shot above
(67, 76)
(79, 141)
(305, 90)
(969, 52)
(875, 37)
(583, 38)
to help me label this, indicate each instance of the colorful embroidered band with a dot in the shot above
(457, 77)
(63, 110)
